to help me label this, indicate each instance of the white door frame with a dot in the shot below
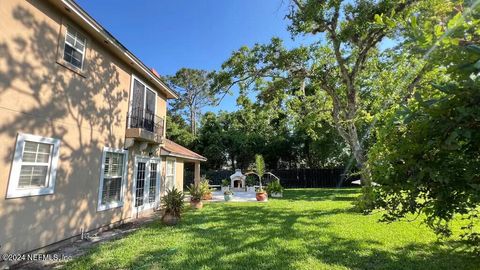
(146, 188)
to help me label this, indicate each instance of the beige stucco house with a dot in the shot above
(82, 128)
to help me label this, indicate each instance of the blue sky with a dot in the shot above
(169, 35)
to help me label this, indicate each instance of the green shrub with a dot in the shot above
(196, 192)
(173, 202)
(205, 187)
(250, 180)
(274, 187)
(225, 183)
(260, 190)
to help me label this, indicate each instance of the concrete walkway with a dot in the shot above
(239, 196)
(79, 247)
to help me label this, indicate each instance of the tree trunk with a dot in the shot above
(359, 155)
(233, 161)
(344, 120)
(193, 122)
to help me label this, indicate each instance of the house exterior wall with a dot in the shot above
(162, 111)
(87, 112)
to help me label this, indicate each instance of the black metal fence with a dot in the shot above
(291, 178)
(144, 119)
(314, 178)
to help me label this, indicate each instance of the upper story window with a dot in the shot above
(143, 106)
(74, 50)
(34, 166)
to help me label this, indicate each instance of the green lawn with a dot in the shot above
(308, 229)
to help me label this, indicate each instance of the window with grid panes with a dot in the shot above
(112, 178)
(34, 166)
(74, 50)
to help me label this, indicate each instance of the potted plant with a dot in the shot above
(206, 190)
(196, 195)
(250, 183)
(275, 189)
(225, 185)
(173, 204)
(261, 194)
(227, 195)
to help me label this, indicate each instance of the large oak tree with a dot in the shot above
(348, 36)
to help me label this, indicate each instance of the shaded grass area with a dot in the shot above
(307, 229)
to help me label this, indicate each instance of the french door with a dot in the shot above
(146, 183)
(142, 109)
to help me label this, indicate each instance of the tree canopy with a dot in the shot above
(194, 87)
(426, 155)
(346, 54)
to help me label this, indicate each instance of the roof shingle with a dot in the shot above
(171, 148)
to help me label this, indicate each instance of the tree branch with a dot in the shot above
(415, 82)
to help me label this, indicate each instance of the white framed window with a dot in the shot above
(34, 166)
(170, 174)
(113, 177)
(74, 49)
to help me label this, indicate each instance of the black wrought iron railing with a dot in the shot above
(147, 120)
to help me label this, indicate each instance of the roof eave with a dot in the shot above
(172, 154)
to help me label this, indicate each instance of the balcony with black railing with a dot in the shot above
(144, 125)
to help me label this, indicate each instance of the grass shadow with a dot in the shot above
(280, 234)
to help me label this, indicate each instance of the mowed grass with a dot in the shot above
(308, 229)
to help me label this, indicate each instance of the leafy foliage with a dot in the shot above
(327, 75)
(173, 202)
(259, 166)
(284, 136)
(274, 187)
(194, 87)
(178, 130)
(204, 187)
(251, 180)
(427, 156)
(225, 182)
(260, 170)
(196, 193)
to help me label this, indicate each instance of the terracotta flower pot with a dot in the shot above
(196, 204)
(169, 219)
(207, 196)
(261, 196)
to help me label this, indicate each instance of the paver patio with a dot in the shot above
(240, 196)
